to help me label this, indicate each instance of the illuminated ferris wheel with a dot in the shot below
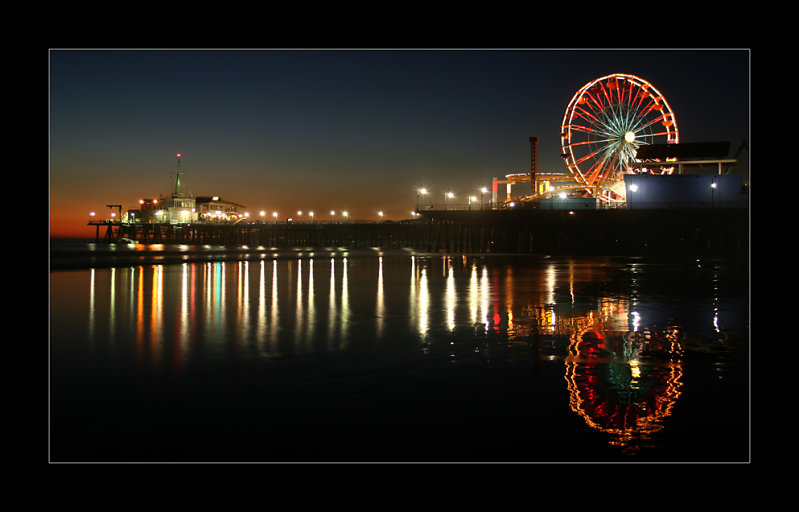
(606, 122)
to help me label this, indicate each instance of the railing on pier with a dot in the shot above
(317, 234)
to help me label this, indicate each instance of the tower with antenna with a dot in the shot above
(180, 207)
(178, 192)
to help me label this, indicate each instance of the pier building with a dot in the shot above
(214, 208)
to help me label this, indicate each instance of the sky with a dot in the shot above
(342, 129)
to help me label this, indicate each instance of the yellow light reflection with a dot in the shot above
(156, 328)
(485, 295)
(243, 292)
(345, 304)
(474, 293)
(112, 302)
(449, 296)
(92, 286)
(509, 300)
(424, 303)
(140, 314)
(275, 321)
(298, 309)
(260, 332)
(380, 309)
(183, 334)
(311, 306)
(331, 326)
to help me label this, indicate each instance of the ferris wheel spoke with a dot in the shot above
(642, 111)
(599, 152)
(651, 122)
(629, 152)
(637, 117)
(587, 116)
(586, 157)
(582, 129)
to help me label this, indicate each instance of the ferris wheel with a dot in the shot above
(605, 123)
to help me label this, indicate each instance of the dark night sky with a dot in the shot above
(342, 129)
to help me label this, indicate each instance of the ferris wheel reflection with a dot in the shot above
(624, 376)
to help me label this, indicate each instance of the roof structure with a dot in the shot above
(697, 154)
(692, 151)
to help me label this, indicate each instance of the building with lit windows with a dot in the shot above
(179, 210)
(149, 211)
(172, 210)
(213, 208)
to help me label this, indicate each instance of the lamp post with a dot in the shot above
(420, 191)
(713, 186)
(633, 188)
(483, 192)
(447, 195)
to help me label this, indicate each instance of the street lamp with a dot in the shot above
(420, 191)
(471, 198)
(380, 214)
(274, 214)
(447, 195)
(633, 188)
(483, 192)
(712, 193)
(346, 214)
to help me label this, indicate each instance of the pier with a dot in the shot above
(722, 231)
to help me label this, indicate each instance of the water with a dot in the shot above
(368, 356)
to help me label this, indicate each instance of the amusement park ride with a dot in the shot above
(605, 126)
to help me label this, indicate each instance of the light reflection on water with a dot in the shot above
(618, 339)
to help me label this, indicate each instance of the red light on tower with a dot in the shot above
(178, 155)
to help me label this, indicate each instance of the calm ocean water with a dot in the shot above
(332, 355)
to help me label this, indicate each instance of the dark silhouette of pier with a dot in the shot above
(722, 231)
